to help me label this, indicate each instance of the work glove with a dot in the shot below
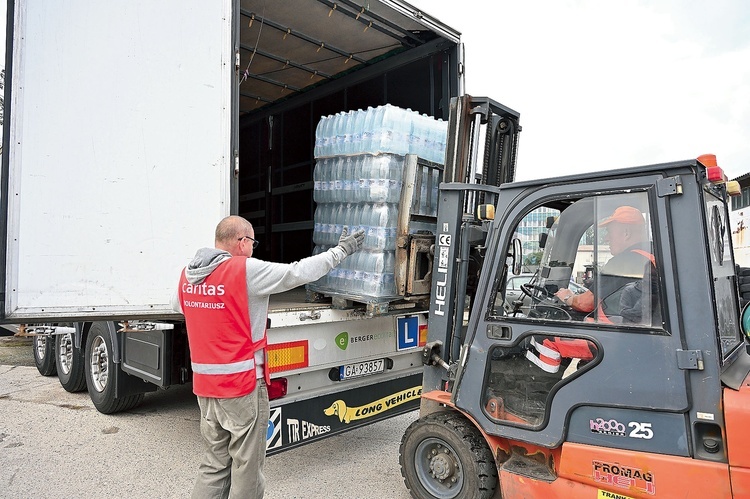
(351, 243)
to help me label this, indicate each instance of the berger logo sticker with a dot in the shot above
(342, 340)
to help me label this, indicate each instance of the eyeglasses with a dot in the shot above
(255, 241)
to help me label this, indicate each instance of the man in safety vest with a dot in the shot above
(223, 294)
(626, 279)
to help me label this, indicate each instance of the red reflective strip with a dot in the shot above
(549, 361)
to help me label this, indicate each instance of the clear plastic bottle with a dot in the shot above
(379, 178)
(355, 221)
(368, 130)
(388, 282)
(343, 276)
(339, 218)
(387, 121)
(317, 172)
(330, 225)
(357, 132)
(404, 131)
(357, 273)
(382, 222)
(336, 134)
(336, 184)
(357, 178)
(373, 273)
(395, 178)
(319, 137)
(318, 226)
(365, 221)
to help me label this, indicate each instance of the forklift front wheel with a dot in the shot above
(444, 456)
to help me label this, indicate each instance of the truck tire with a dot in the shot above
(44, 355)
(444, 456)
(70, 363)
(101, 372)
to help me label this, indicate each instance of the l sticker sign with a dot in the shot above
(407, 329)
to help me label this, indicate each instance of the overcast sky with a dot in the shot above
(609, 84)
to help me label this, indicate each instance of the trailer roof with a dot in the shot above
(292, 46)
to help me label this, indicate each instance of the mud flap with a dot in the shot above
(297, 423)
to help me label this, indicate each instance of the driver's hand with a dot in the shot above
(565, 295)
(583, 302)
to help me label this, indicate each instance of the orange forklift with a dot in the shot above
(635, 388)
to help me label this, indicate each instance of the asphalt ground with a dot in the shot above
(55, 444)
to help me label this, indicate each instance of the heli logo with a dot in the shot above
(441, 282)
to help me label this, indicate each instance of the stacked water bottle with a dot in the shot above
(384, 129)
(357, 185)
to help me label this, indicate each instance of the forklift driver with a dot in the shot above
(619, 287)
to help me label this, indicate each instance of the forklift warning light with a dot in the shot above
(486, 212)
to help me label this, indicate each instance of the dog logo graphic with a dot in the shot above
(340, 409)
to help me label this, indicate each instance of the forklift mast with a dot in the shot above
(467, 200)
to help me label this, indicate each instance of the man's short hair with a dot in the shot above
(230, 228)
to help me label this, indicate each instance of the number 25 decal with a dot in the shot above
(640, 430)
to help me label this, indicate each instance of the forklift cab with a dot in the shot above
(641, 369)
(609, 236)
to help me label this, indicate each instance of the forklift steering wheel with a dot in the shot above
(533, 291)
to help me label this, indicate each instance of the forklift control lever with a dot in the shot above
(431, 355)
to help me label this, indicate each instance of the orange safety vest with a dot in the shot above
(600, 315)
(222, 351)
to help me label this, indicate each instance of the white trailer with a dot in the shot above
(131, 130)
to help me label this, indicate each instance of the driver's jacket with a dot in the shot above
(619, 287)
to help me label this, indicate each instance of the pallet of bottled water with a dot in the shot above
(358, 182)
(363, 192)
(384, 129)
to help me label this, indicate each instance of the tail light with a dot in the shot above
(277, 388)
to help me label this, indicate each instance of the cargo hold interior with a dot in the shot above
(304, 59)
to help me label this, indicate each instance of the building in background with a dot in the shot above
(739, 221)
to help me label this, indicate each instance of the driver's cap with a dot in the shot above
(624, 215)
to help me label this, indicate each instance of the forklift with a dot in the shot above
(642, 394)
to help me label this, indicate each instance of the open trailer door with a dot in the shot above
(118, 152)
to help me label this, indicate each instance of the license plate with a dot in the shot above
(360, 369)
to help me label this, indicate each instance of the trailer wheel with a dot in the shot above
(44, 355)
(69, 363)
(101, 372)
(444, 456)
